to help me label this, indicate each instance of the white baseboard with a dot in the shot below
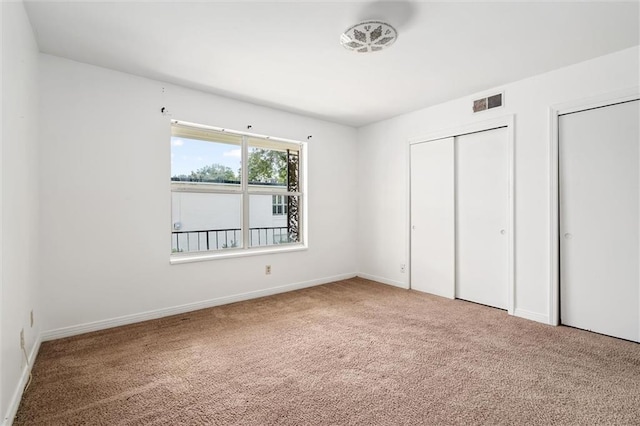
(383, 280)
(533, 316)
(174, 310)
(24, 378)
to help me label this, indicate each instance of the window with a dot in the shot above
(279, 205)
(233, 191)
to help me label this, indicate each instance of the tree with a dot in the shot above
(267, 166)
(212, 173)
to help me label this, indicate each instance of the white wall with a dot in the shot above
(19, 277)
(383, 219)
(106, 202)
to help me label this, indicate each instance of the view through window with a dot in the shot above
(232, 190)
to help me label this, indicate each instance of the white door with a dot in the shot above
(599, 220)
(482, 217)
(432, 217)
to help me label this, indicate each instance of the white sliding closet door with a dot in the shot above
(432, 217)
(599, 220)
(482, 217)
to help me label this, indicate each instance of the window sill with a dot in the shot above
(229, 254)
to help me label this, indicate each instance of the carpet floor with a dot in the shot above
(352, 352)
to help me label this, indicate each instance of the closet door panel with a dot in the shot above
(599, 220)
(482, 211)
(432, 217)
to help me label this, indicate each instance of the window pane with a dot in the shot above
(205, 162)
(270, 224)
(267, 167)
(205, 221)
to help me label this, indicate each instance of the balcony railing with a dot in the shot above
(217, 239)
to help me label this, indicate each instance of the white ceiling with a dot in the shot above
(287, 54)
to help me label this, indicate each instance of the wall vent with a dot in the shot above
(489, 102)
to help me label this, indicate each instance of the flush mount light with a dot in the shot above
(369, 36)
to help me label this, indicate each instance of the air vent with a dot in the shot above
(489, 102)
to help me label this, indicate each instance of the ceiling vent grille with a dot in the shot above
(489, 102)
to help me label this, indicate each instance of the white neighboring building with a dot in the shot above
(211, 221)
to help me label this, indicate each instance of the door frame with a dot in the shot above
(555, 111)
(507, 121)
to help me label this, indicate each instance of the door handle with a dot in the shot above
(502, 231)
(568, 236)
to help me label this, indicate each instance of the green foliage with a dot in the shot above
(267, 166)
(212, 173)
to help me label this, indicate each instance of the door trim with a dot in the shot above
(555, 111)
(507, 121)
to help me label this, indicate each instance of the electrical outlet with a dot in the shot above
(267, 270)
(403, 268)
(22, 338)
(31, 317)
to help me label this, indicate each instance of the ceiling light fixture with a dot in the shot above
(368, 36)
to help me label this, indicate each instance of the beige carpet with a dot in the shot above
(351, 352)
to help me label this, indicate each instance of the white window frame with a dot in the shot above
(245, 191)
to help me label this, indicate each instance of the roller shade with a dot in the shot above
(210, 135)
(255, 142)
(200, 133)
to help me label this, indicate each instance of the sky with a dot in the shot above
(188, 155)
